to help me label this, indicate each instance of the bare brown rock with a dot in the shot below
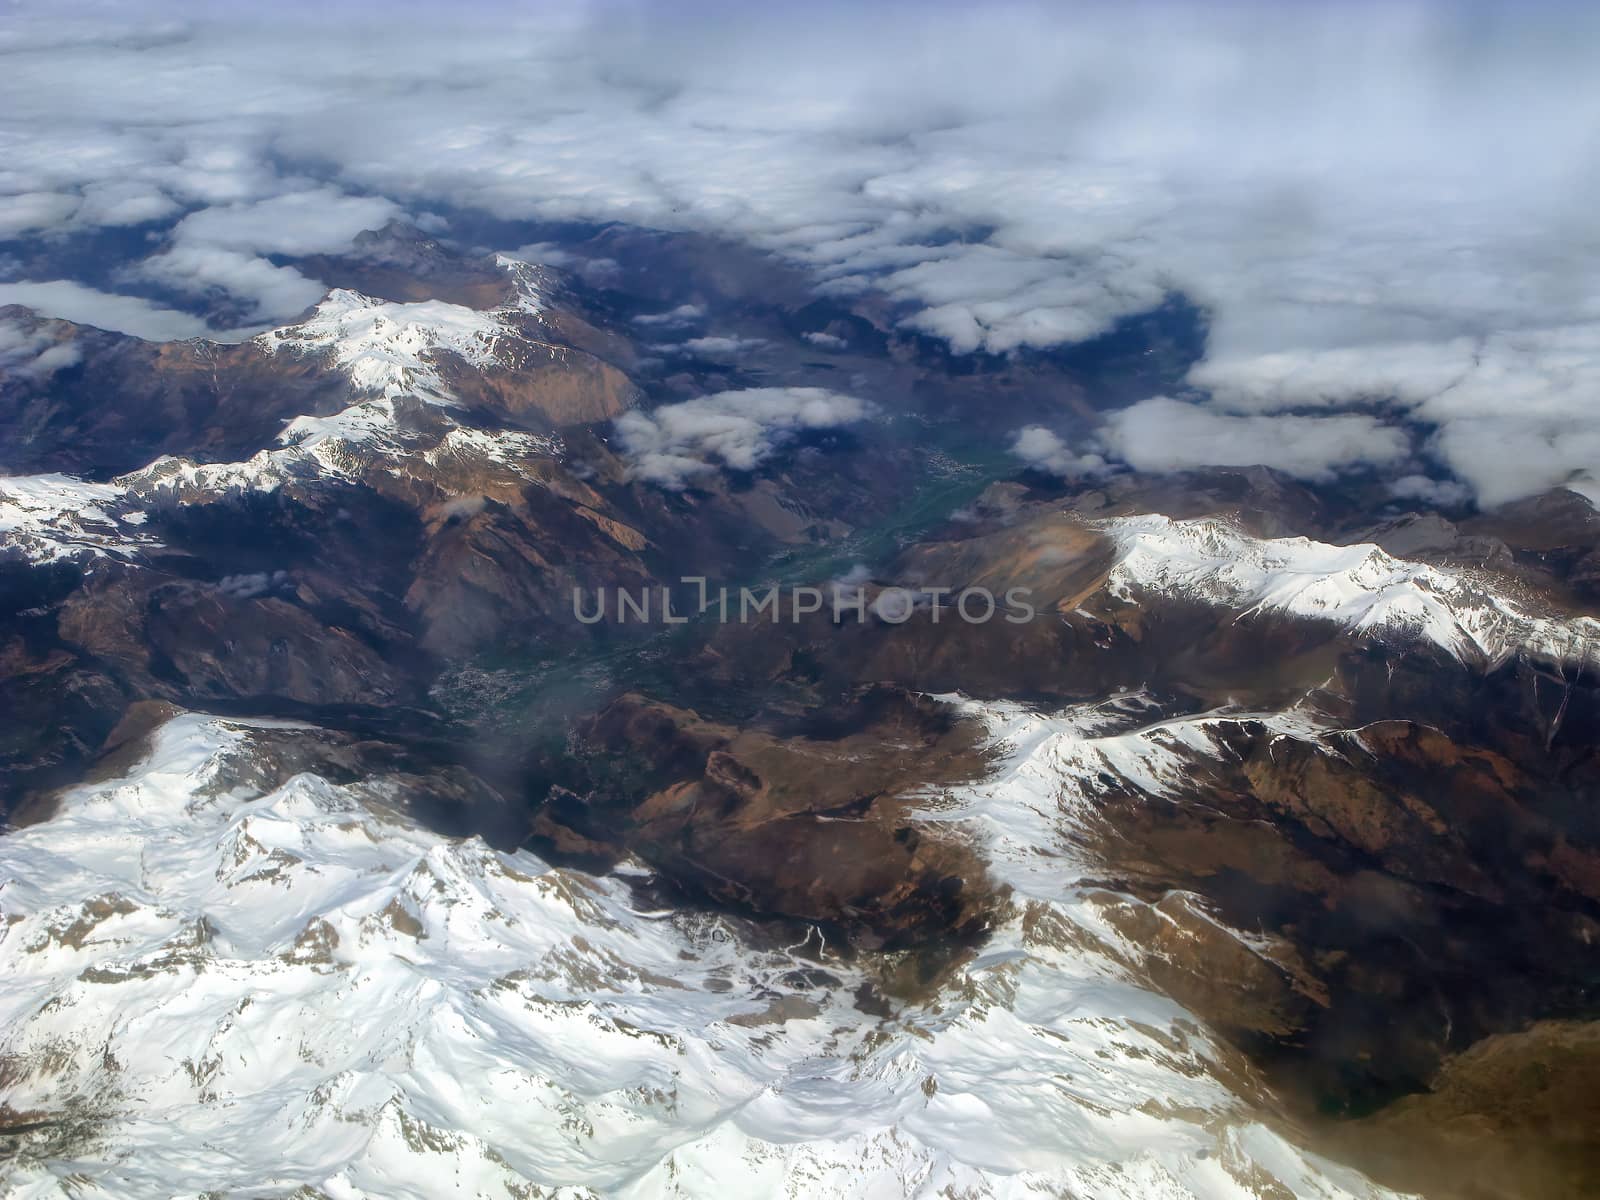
(814, 828)
(1513, 1115)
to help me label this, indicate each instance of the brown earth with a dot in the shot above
(811, 827)
(1511, 1118)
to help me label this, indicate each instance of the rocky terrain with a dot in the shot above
(1259, 857)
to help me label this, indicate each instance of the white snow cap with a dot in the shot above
(259, 990)
(1360, 587)
(52, 518)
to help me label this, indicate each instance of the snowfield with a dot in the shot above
(209, 984)
(391, 349)
(55, 518)
(391, 354)
(1360, 587)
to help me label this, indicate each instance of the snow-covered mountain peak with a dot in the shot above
(388, 349)
(367, 438)
(52, 518)
(217, 977)
(391, 349)
(1473, 616)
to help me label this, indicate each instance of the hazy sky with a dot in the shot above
(1385, 207)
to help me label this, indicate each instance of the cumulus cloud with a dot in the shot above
(272, 291)
(1043, 450)
(250, 585)
(33, 354)
(598, 272)
(849, 588)
(318, 220)
(461, 507)
(1510, 456)
(225, 247)
(1372, 202)
(22, 212)
(718, 346)
(1162, 434)
(1513, 410)
(87, 306)
(669, 445)
(112, 203)
(1442, 493)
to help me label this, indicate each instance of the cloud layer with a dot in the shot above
(32, 355)
(1044, 450)
(671, 444)
(87, 306)
(1162, 434)
(1372, 201)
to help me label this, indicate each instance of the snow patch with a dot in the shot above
(392, 353)
(211, 983)
(55, 518)
(1359, 587)
(393, 349)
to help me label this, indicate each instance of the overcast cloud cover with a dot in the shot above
(1383, 206)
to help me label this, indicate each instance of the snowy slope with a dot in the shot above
(1360, 587)
(391, 349)
(348, 445)
(51, 518)
(1055, 766)
(209, 983)
(393, 354)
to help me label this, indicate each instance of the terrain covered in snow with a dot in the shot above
(392, 349)
(1360, 587)
(221, 977)
(51, 518)
(394, 355)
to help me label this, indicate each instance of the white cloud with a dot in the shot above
(86, 306)
(1369, 201)
(1162, 434)
(684, 314)
(1514, 410)
(739, 429)
(251, 585)
(116, 202)
(597, 272)
(32, 354)
(319, 220)
(828, 341)
(717, 346)
(1507, 457)
(274, 292)
(1044, 450)
(25, 211)
(1442, 493)
(223, 247)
